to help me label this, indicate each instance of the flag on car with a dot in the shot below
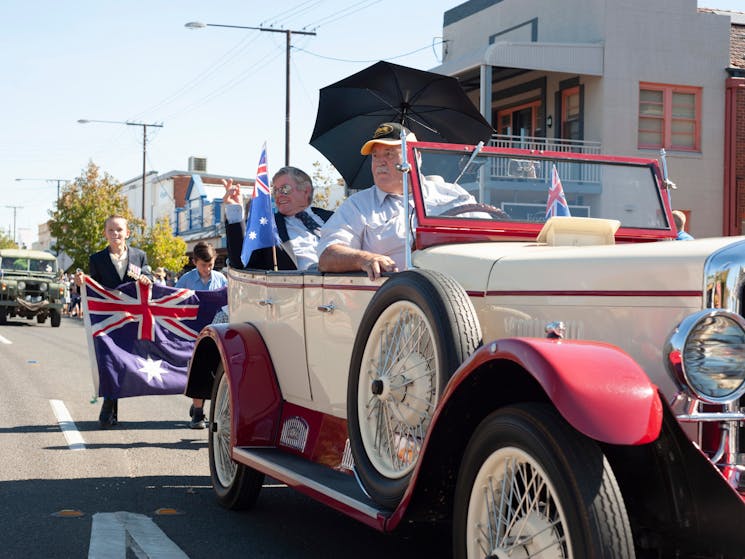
(140, 337)
(261, 230)
(557, 202)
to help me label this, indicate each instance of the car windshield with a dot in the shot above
(22, 264)
(517, 188)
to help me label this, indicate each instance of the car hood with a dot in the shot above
(529, 266)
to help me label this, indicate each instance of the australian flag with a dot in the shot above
(557, 202)
(261, 230)
(140, 337)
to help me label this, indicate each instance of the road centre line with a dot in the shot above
(114, 533)
(69, 429)
(4, 340)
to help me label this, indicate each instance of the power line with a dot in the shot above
(368, 61)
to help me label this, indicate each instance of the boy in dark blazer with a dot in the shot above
(112, 266)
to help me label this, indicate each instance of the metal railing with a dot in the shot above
(545, 144)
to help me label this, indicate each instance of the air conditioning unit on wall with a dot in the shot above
(197, 164)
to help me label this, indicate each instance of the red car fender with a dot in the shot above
(254, 391)
(598, 388)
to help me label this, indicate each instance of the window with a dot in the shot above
(570, 115)
(518, 121)
(669, 117)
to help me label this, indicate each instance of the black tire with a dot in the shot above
(236, 485)
(55, 318)
(426, 322)
(3, 317)
(41, 318)
(527, 474)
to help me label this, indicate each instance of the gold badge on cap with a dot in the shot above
(383, 130)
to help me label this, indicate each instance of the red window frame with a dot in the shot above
(667, 117)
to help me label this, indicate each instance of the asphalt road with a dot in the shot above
(141, 489)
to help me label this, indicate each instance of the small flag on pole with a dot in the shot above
(261, 230)
(557, 202)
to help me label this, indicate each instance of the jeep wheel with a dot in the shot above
(237, 486)
(55, 318)
(40, 318)
(417, 330)
(531, 486)
(3, 317)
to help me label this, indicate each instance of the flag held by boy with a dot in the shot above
(140, 337)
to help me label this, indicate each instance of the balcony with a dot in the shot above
(544, 144)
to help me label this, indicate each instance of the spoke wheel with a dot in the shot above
(398, 388)
(418, 328)
(530, 486)
(236, 485)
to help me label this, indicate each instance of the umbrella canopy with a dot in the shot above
(432, 106)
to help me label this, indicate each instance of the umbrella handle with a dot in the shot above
(405, 168)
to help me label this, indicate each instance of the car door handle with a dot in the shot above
(265, 303)
(327, 308)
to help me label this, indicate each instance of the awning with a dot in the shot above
(571, 58)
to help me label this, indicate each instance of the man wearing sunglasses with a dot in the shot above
(298, 224)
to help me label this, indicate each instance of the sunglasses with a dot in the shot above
(287, 188)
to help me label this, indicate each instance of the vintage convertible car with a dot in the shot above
(570, 387)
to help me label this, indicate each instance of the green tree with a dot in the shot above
(77, 222)
(6, 241)
(328, 186)
(161, 247)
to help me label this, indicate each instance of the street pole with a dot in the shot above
(14, 208)
(288, 45)
(144, 148)
(58, 181)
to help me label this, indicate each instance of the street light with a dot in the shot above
(144, 147)
(288, 35)
(58, 181)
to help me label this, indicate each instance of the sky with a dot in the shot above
(218, 92)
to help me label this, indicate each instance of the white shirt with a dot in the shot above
(373, 220)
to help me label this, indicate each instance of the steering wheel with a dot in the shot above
(493, 211)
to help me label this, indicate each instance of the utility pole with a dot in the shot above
(288, 38)
(14, 208)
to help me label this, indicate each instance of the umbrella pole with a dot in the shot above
(405, 168)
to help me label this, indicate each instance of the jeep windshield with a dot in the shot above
(513, 188)
(26, 265)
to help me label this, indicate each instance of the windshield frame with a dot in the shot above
(434, 230)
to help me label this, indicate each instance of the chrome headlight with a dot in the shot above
(43, 287)
(21, 285)
(706, 354)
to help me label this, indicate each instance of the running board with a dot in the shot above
(333, 488)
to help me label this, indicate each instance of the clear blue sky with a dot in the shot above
(219, 92)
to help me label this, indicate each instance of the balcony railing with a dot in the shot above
(545, 144)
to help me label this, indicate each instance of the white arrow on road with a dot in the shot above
(113, 533)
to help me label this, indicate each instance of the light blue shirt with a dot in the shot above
(192, 280)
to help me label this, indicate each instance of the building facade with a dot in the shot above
(627, 77)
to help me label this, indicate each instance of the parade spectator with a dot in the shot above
(201, 278)
(112, 266)
(680, 224)
(298, 223)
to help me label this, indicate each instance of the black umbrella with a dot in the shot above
(432, 106)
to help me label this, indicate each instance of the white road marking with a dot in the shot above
(113, 533)
(4, 340)
(69, 429)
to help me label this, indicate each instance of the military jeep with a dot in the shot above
(30, 286)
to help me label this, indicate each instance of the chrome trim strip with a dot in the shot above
(255, 460)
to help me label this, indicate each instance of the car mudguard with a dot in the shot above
(597, 387)
(254, 391)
